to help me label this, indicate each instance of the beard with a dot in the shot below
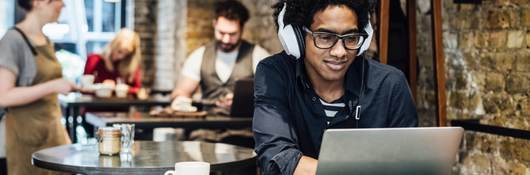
(227, 47)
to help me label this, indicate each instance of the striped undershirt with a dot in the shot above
(331, 109)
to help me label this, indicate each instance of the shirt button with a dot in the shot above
(314, 99)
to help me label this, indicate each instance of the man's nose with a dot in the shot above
(225, 38)
(338, 50)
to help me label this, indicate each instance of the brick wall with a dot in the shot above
(145, 25)
(259, 29)
(487, 51)
(170, 42)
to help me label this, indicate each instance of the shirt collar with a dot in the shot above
(353, 76)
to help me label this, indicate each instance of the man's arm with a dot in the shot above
(276, 142)
(185, 87)
(190, 76)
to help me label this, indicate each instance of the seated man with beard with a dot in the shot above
(216, 66)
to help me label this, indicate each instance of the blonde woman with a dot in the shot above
(119, 60)
(30, 79)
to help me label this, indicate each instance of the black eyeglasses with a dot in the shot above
(326, 40)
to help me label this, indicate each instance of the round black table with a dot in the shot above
(147, 157)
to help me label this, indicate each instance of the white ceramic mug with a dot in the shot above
(121, 90)
(87, 81)
(187, 168)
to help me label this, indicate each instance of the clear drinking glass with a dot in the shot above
(127, 136)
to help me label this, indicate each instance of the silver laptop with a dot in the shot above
(430, 150)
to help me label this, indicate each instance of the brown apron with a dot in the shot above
(37, 125)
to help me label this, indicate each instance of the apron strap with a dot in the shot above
(26, 40)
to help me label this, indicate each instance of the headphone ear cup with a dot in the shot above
(289, 40)
(370, 31)
(290, 36)
(300, 40)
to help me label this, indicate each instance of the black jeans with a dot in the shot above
(3, 166)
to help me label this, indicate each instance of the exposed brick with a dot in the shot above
(495, 82)
(466, 40)
(466, 7)
(497, 39)
(522, 62)
(502, 62)
(524, 106)
(470, 23)
(486, 39)
(500, 19)
(525, 17)
(476, 163)
(528, 40)
(515, 39)
(481, 39)
(518, 83)
(493, 41)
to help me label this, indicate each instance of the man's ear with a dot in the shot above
(214, 22)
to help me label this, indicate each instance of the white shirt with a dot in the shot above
(224, 63)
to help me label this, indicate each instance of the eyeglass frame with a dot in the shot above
(339, 37)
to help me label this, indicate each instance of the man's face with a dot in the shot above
(227, 33)
(330, 64)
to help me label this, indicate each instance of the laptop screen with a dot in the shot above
(430, 150)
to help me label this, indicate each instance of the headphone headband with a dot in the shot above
(292, 38)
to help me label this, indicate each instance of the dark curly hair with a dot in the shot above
(301, 12)
(25, 4)
(232, 10)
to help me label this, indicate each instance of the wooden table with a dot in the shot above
(145, 124)
(73, 107)
(144, 120)
(147, 157)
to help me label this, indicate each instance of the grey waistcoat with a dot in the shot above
(212, 87)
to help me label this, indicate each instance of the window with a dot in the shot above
(103, 19)
(89, 24)
(6, 15)
(84, 27)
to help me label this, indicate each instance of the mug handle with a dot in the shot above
(169, 172)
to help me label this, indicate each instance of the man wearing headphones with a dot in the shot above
(216, 66)
(322, 81)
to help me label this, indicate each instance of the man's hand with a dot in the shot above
(225, 101)
(306, 165)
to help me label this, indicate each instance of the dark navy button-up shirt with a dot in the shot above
(289, 120)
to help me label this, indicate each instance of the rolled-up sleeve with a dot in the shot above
(274, 135)
(10, 53)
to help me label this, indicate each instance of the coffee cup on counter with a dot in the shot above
(187, 168)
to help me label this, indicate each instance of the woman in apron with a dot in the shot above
(30, 79)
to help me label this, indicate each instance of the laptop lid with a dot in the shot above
(243, 102)
(430, 150)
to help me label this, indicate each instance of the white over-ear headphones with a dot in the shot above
(292, 38)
